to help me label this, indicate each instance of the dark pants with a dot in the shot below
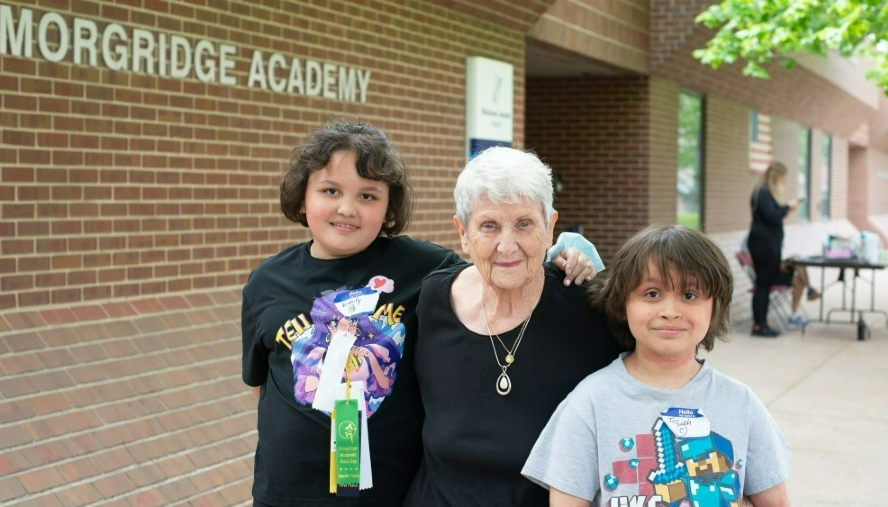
(766, 262)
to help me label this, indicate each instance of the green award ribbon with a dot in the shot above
(348, 448)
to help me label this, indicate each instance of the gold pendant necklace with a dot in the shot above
(503, 382)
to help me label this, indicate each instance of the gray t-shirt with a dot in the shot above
(615, 441)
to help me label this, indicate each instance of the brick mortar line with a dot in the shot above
(108, 360)
(99, 383)
(81, 253)
(599, 12)
(150, 487)
(167, 410)
(68, 485)
(108, 320)
(137, 265)
(193, 292)
(399, 98)
(124, 446)
(500, 37)
(214, 489)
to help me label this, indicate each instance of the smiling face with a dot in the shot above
(668, 321)
(507, 242)
(344, 211)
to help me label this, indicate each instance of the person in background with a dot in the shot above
(354, 289)
(500, 343)
(660, 426)
(765, 243)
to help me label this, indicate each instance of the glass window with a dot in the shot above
(825, 175)
(753, 125)
(804, 177)
(690, 160)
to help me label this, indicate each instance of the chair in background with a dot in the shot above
(781, 295)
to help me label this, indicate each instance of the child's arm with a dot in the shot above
(771, 497)
(562, 499)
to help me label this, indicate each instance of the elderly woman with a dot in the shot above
(501, 342)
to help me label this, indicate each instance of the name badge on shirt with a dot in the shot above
(356, 302)
(686, 422)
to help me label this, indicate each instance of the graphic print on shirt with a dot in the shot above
(379, 341)
(681, 463)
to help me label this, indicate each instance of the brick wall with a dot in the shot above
(672, 23)
(517, 16)
(595, 132)
(613, 32)
(118, 184)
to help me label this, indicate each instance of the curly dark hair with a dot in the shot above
(693, 255)
(375, 157)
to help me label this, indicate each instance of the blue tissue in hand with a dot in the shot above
(574, 240)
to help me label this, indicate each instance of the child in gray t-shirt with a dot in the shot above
(659, 426)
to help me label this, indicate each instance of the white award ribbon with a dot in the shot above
(357, 393)
(334, 366)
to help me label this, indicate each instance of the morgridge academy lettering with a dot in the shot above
(173, 56)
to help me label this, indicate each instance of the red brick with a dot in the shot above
(84, 494)
(10, 488)
(41, 480)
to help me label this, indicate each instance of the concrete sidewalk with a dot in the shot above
(829, 393)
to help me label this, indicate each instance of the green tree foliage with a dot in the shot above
(764, 31)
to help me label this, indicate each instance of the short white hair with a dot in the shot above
(504, 176)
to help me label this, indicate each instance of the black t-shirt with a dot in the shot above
(767, 218)
(475, 441)
(289, 307)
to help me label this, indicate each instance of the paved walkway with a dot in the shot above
(829, 393)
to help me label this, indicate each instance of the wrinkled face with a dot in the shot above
(344, 211)
(668, 322)
(507, 242)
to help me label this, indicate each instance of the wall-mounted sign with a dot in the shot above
(489, 104)
(82, 42)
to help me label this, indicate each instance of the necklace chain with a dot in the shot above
(503, 382)
(510, 354)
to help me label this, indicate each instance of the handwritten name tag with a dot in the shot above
(356, 302)
(686, 422)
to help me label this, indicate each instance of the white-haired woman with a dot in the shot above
(501, 342)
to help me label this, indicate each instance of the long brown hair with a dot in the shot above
(774, 180)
